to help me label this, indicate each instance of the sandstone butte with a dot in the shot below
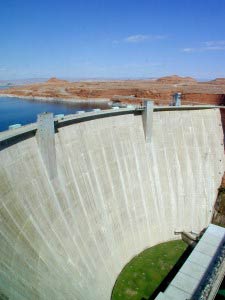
(160, 90)
(55, 80)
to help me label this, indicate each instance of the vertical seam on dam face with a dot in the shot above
(72, 216)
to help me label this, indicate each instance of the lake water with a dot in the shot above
(17, 110)
(2, 87)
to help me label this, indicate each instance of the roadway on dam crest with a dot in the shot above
(113, 195)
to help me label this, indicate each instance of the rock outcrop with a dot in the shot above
(219, 209)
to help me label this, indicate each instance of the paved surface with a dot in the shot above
(194, 271)
(113, 195)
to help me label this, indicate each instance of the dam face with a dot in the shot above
(68, 236)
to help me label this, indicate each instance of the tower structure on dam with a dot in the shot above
(77, 206)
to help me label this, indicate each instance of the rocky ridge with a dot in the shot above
(160, 90)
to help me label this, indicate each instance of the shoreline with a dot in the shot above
(60, 100)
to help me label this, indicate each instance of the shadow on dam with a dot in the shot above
(222, 111)
(77, 204)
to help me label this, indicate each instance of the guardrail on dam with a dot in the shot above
(67, 232)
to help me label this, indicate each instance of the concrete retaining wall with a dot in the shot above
(113, 195)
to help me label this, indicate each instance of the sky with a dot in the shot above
(112, 38)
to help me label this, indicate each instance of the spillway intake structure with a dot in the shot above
(82, 195)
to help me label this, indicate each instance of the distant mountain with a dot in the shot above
(174, 79)
(55, 80)
(218, 81)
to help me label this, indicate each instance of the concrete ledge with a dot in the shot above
(8, 134)
(193, 276)
(185, 107)
(75, 118)
(87, 116)
(162, 296)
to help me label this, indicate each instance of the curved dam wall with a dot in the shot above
(112, 195)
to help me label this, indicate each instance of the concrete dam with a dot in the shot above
(81, 196)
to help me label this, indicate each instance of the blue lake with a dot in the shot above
(3, 87)
(17, 110)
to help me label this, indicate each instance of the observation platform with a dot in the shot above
(203, 271)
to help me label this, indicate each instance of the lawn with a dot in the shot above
(143, 274)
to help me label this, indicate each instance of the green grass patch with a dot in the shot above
(143, 274)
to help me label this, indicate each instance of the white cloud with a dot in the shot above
(213, 48)
(136, 38)
(207, 46)
(215, 43)
(188, 49)
(142, 37)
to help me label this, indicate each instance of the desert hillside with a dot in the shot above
(174, 79)
(160, 90)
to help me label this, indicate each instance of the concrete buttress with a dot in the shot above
(147, 117)
(46, 142)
